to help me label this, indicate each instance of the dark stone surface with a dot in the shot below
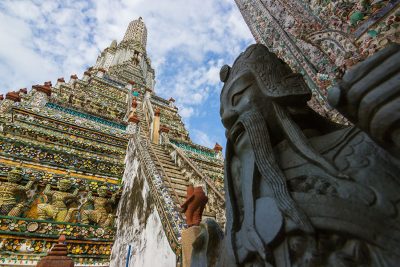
(301, 190)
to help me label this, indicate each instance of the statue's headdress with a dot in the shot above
(274, 77)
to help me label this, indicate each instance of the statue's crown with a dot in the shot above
(274, 77)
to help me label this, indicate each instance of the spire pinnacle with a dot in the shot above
(137, 32)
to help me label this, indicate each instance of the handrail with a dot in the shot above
(206, 179)
(155, 181)
(149, 107)
(165, 173)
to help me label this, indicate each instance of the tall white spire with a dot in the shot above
(137, 32)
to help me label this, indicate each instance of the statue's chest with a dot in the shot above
(100, 202)
(59, 196)
(8, 188)
(364, 165)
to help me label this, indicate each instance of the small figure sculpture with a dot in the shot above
(301, 190)
(194, 205)
(99, 215)
(9, 191)
(58, 209)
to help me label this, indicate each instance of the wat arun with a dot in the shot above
(103, 160)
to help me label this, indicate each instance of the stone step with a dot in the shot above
(166, 161)
(177, 177)
(164, 157)
(178, 192)
(178, 186)
(172, 171)
(179, 181)
(172, 167)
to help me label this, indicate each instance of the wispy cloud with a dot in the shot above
(188, 42)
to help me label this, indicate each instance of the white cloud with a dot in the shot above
(202, 138)
(188, 42)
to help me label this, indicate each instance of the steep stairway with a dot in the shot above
(172, 175)
(176, 182)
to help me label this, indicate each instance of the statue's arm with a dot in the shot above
(75, 193)
(369, 96)
(47, 190)
(112, 199)
(89, 196)
(29, 184)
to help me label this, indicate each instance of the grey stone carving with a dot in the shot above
(301, 190)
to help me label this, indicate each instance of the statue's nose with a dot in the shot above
(229, 117)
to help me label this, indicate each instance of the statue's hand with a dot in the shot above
(369, 96)
(248, 241)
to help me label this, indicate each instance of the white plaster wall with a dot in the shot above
(138, 223)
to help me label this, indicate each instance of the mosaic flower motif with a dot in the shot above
(12, 226)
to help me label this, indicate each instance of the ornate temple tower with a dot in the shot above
(321, 39)
(129, 58)
(103, 160)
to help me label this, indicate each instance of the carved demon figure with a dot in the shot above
(99, 215)
(301, 190)
(9, 192)
(57, 209)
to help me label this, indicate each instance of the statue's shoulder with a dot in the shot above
(324, 144)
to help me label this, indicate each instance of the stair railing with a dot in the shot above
(171, 218)
(216, 198)
(164, 173)
(149, 113)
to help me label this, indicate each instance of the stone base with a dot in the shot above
(188, 237)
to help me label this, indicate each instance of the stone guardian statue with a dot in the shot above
(301, 190)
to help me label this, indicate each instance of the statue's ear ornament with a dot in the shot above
(224, 73)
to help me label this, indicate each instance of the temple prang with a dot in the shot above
(99, 159)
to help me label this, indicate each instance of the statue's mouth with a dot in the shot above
(236, 132)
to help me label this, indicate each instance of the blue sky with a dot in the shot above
(188, 42)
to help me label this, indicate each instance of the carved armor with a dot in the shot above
(57, 209)
(99, 215)
(9, 191)
(301, 190)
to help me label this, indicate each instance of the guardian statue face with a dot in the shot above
(15, 175)
(64, 185)
(102, 191)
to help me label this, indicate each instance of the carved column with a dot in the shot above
(156, 126)
(60, 81)
(100, 73)
(171, 102)
(133, 124)
(11, 98)
(218, 151)
(148, 93)
(73, 80)
(86, 76)
(164, 130)
(134, 105)
(40, 95)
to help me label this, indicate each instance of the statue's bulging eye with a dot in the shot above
(236, 97)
